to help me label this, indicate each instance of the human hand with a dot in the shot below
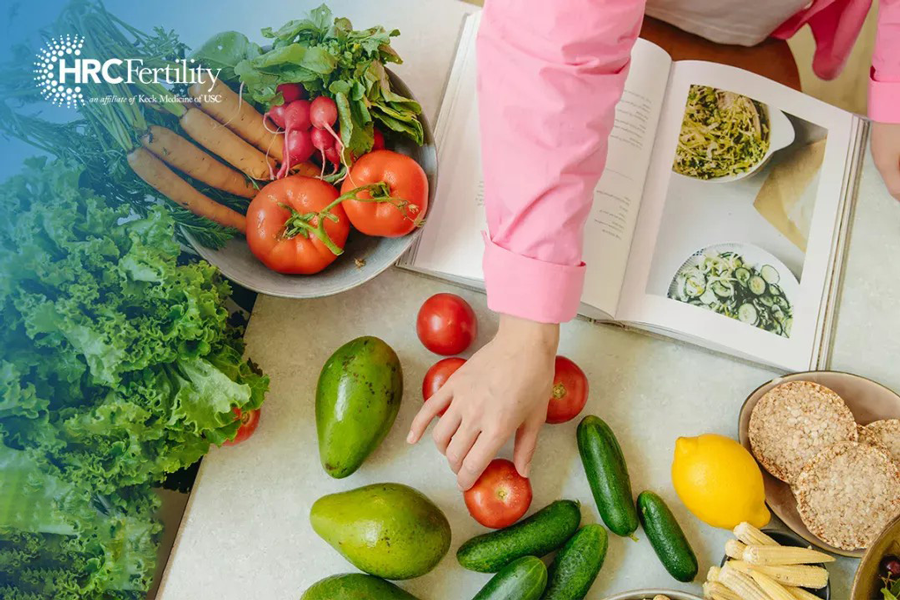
(504, 389)
(886, 153)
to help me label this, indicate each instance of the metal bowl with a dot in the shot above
(649, 594)
(364, 257)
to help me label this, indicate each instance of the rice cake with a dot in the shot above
(793, 422)
(884, 434)
(848, 494)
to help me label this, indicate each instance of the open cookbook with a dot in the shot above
(721, 218)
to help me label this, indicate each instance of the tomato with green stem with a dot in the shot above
(570, 392)
(297, 226)
(249, 422)
(387, 194)
(500, 497)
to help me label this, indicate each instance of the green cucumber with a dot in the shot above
(667, 537)
(539, 534)
(607, 474)
(577, 565)
(522, 579)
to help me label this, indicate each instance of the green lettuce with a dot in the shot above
(118, 365)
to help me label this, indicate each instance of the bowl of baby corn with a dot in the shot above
(768, 565)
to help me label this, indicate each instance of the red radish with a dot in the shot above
(291, 92)
(378, 144)
(322, 141)
(333, 155)
(296, 115)
(276, 113)
(296, 120)
(323, 113)
(299, 146)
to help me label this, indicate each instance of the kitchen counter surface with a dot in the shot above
(246, 531)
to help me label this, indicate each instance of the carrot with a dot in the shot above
(164, 180)
(221, 141)
(238, 115)
(173, 149)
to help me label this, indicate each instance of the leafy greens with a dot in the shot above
(118, 365)
(327, 56)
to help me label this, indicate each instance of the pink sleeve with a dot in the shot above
(884, 86)
(550, 75)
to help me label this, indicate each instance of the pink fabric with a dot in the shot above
(550, 75)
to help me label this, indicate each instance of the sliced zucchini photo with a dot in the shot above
(770, 274)
(757, 285)
(722, 289)
(747, 313)
(742, 275)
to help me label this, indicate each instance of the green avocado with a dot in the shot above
(388, 529)
(355, 586)
(357, 401)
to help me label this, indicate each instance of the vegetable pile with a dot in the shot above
(725, 283)
(118, 365)
(205, 145)
(722, 134)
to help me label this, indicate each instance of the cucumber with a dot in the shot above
(607, 475)
(667, 537)
(757, 285)
(539, 534)
(747, 313)
(577, 565)
(770, 274)
(522, 579)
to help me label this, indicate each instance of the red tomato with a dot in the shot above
(284, 248)
(404, 194)
(249, 423)
(446, 324)
(570, 392)
(438, 375)
(500, 497)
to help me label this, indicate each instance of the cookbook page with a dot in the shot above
(451, 244)
(734, 243)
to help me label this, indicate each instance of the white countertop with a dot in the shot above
(246, 532)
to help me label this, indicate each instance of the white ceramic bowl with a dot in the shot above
(364, 257)
(650, 593)
(781, 135)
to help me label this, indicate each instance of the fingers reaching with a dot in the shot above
(460, 446)
(444, 431)
(477, 460)
(432, 408)
(526, 443)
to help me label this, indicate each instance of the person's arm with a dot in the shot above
(550, 75)
(884, 96)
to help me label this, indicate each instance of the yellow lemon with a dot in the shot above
(719, 481)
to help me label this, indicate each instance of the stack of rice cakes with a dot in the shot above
(845, 477)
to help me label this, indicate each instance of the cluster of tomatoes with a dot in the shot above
(447, 325)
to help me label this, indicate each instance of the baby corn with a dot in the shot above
(713, 590)
(801, 594)
(741, 583)
(773, 589)
(789, 575)
(783, 555)
(713, 574)
(752, 536)
(735, 549)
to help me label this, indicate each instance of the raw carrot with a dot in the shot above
(221, 141)
(307, 169)
(178, 152)
(164, 180)
(238, 115)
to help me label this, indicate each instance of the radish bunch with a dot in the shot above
(308, 127)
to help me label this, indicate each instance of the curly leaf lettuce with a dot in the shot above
(118, 365)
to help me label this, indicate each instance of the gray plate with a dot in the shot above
(364, 257)
(648, 594)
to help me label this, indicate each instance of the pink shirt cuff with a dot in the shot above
(531, 289)
(884, 101)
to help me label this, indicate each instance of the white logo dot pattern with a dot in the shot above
(46, 73)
